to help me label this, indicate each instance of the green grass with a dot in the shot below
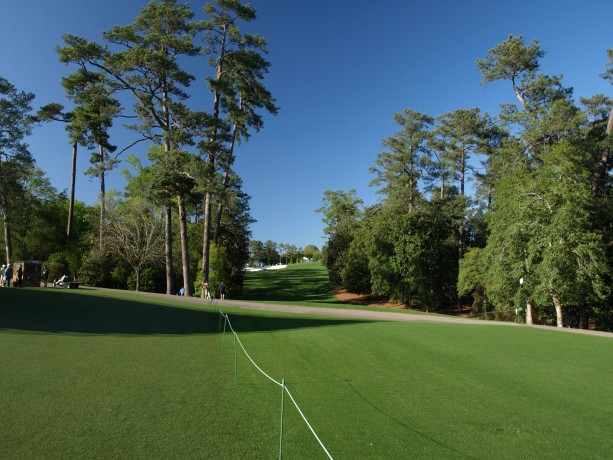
(304, 284)
(300, 284)
(94, 374)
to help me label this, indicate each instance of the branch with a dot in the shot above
(132, 145)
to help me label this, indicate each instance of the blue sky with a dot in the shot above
(339, 71)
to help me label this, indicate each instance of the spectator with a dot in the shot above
(45, 275)
(8, 276)
(19, 275)
(207, 290)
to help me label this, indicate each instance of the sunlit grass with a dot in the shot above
(93, 374)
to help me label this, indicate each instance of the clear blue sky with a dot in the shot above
(339, 71)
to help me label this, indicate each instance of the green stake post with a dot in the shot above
(282, 404)
(235, 362)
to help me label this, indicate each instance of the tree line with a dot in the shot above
(271, 253)
(511, 213)
(188, 200)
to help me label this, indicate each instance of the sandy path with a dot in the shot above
(365, 314)
(391, 316)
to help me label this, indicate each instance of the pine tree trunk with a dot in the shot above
(184, 246)
(8, 243)
(72, 191)
(168, 250)
(218, 223)
(226, 177)
(206, 240)
(220, 211)
(206, 244)
(102, 197)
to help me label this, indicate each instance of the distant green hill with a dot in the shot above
(304, 284)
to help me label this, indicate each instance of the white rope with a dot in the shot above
(247, 354)
(308, 424)
(278, 383)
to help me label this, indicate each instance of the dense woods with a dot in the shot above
(506, 213)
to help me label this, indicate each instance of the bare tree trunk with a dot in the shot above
(206, 241)
(72, 191)
(218, 216)
(102, 197)
(137, 280)
(558, 305)
(168, 250)
(184, 246)
(170, 274)
(518, 93)
(206, 244)
(226, 177)
(8, 242)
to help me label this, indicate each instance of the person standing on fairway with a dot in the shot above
(19, 275)
(222, 290)
(207, 290)
(8, 276)
(45, 276)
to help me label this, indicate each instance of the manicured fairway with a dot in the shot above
(95, 374)
(305, 284)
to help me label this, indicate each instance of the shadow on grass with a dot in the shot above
(53, 311)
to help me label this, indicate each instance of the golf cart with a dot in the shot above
(67, 282)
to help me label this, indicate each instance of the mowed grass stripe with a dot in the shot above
(90, 374)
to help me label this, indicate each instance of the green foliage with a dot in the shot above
(355, 274)
(221, 270)
(512, 60)
(102, 269)
(399, 169)
(59, 265)
(151, 278)
(334, 254)
(471, 279)
(256, 251)
(311, 252)
(339, 206)
(411, 256)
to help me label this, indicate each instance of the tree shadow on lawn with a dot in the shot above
(42, 310)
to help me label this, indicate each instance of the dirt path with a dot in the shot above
(365, 314)
(391, 316)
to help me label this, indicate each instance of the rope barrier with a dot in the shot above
(308, 424)
(247, 354)
(284, 388)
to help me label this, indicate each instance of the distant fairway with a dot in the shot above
(303, 284)
(103, 374)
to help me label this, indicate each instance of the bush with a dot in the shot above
(58, 265)
(99, 269)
